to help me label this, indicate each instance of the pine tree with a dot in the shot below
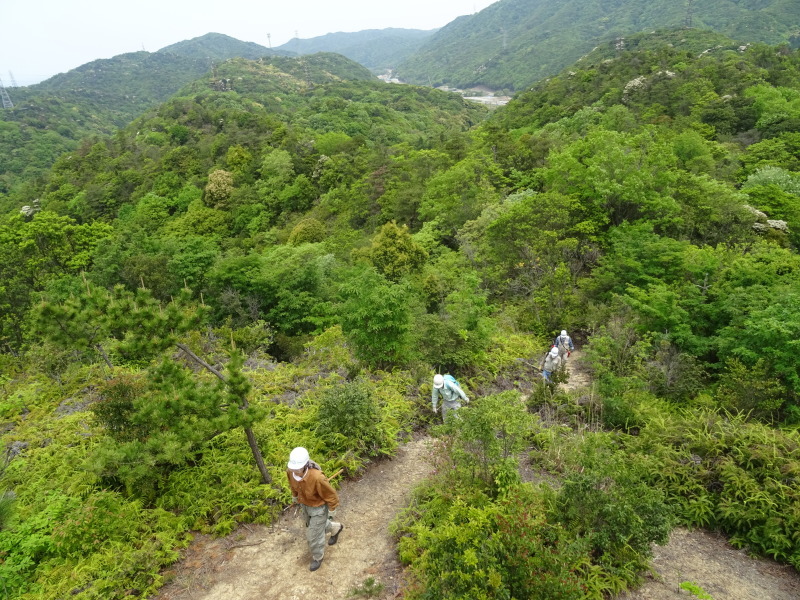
(176, 411)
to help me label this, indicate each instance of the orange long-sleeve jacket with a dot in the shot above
(313, 489)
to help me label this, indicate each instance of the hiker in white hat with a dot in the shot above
(446, 387)
(551, 363)
(564, 344)
(310, 488)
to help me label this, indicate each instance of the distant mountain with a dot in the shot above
(124, 83)
(99, 97)
(218, 47)
(513, 43)
(376, 49)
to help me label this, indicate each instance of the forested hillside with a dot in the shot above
(284, 253)
(376, 49)
(98, 98)
(514, 43)
(218, 47)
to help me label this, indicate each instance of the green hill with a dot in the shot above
(514, 43)
(376, 49)
(217, 47)
(97, 98)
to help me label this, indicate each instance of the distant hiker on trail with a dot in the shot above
(552, 362)
(564, 344)
(450, 391)
(310, 488)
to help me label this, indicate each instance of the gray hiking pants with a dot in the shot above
(317, 525)
(448, 406)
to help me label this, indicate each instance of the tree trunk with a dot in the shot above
(251, 438)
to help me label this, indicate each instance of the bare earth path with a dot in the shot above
(258, 562)
(271, 563)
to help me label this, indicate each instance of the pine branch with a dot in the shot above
(201, 362)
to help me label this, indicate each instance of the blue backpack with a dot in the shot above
(452, 380)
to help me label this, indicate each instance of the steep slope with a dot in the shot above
(376, 49)
(513, 43)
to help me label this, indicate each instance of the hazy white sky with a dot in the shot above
(41, 38)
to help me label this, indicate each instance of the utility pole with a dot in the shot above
(4, 96)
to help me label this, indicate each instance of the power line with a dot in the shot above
(4, 96)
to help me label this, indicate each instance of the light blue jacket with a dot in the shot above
(449, 393)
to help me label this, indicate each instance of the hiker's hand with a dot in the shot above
(331, 514)
(294, 499)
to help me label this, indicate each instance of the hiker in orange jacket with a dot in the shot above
(310, 488)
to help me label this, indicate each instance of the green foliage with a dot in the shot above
(349, 417)
(486, 436)
(695, 590)
(307, 231)
(457, 334)
(394, 253)
(750, 390)
(481, 549)
(35, 253)
(375, 317)
(721, 471)
(369, 589)
(6, 509)
(609, 501)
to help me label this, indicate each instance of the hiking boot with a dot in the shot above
(335, 538)
(315, 565)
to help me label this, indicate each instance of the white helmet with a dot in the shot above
(298, 458)
(554, 351)
(564, 332)
(438, 381)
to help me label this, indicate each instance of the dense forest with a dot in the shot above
(513, 43)
(283, 254)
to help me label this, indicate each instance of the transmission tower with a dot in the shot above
(4, 96)
(13, 81)
(269, 41)
(688, 20)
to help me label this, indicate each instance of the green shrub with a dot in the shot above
(607, 499)
(486, 435)
(307, 231)
(349, 418)
(466, 546)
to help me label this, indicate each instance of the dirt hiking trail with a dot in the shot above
(271, 563)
